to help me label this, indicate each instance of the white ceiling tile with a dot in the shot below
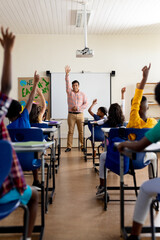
(58, 16)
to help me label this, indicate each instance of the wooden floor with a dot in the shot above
(76, 214)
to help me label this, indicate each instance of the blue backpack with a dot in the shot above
(113, 157)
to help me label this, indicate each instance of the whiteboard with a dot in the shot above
(94, 85)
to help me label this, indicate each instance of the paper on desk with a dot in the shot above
(30, 144)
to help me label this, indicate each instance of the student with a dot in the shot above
(138, 118)
(101, 115)
(21, 120)
(37, 112)
(150, 188)
(14, 186)
(115, 119)
(18, 119)
(99, 118)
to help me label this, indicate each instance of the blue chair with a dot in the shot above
(98, 137)
(131, 166)
(29, 161)
(7, 208)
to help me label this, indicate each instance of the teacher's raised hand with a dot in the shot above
(67, 69)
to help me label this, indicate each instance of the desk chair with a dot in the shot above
(154, 205)
(122, 134)
(97, 135)
(29, 161)
(47, 138)
(8, 208)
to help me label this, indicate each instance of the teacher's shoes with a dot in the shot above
(68, 150)
(133, 237)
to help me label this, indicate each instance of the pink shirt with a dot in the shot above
(77, 99)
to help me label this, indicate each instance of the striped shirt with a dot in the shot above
(75, 99)
(15, 178)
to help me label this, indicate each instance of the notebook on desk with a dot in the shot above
(31, 144)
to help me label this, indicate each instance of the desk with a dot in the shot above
(51, 132)
(155, 147)
(57, 124)
(37, 147)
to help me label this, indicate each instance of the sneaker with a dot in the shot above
(37, 185)
(83, 149)
(100, 191)
(68, 150)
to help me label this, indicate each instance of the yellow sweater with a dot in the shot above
(135, 120)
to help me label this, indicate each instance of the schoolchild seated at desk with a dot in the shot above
(138, 118)
(99, 118)
(37, 112)
(150, 188)
(21, 120)
(115, 119)
(14, 186)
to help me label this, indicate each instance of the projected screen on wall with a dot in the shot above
(94, 85)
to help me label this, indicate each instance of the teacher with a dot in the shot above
(77, 102)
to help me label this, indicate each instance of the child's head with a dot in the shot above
(115, 115)
(143, 106)
(14, 110)
(102, 111)
(157, 93)
(33, 116)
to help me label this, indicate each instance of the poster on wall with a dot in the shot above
(25, 85)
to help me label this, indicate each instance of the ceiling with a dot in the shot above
(58, 16)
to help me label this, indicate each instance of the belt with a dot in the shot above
(75, 112)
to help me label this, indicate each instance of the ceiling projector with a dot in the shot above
(86, 52)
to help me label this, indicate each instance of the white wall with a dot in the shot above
(126, 54)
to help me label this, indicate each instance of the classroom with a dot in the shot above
(124, 36)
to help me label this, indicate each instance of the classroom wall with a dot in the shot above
(126, 54)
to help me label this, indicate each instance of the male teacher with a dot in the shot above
(77, 102)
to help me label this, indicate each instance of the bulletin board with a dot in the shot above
(25, 85)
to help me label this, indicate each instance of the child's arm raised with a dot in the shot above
(90, 108)
(33, 92)
(145, 71)
(123, 90)
(43, 107)
(7, 42)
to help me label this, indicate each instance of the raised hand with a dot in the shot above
(7, 39)
(145, 71)
(94, 102)
(123, 90)
(36, 77)
(67, 69)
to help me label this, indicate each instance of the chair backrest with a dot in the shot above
(27, 160)
(113, 156)
(6, 160)
(98, 133)
(139, 134)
